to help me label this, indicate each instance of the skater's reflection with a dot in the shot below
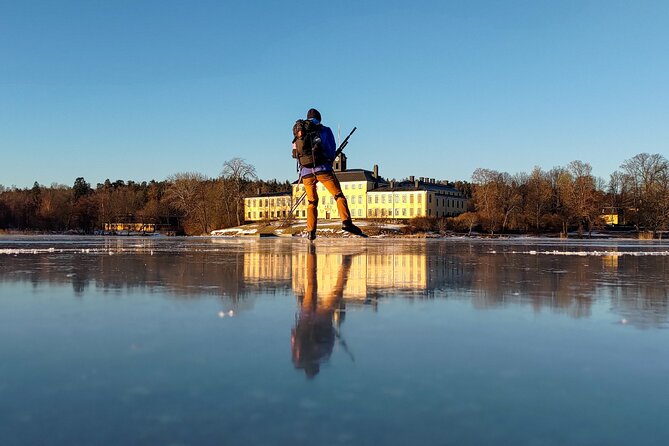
(318, 319)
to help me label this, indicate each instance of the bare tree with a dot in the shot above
(647, 177)
(538, 197)
(186, 193)
(486, 197)
(237, 175)
(582, 197)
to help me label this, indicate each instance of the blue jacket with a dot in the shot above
(329, 149)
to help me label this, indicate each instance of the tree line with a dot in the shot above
(571, 198)
(187, 202)
(561, 199)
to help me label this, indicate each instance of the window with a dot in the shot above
(376, 198)
(404, 198)
(271, 202)
(331, 199)
(249, 217)
(360, 199)
(429, 212)
(429, 198)
(272, 214)
(345, 186)
(397, 198)
(284, 213)
(411, 212)
(419, 198)
(359, 212)
(397, 211)
(383, 198)
(411, 198)
(369, 199)
(404, 212)
(304, 213)
(360, 186)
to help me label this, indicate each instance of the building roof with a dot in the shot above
(415, 186)
(270, 194)
(356, 175)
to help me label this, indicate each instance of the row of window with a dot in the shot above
(376, 212)
(254, 202)
(371, 198)
(383, 212)
(458, 204)
(271, 202)
(418, 198)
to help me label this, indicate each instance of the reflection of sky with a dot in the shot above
(131, 348)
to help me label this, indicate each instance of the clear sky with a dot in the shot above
(140, 90)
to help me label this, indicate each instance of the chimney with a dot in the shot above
(421, 179)
(411, 178)
(376, 171)
(417, 183)
(258, 191)
(392, 184)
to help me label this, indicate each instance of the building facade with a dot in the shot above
(369, 196)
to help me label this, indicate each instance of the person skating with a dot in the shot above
(314, 146)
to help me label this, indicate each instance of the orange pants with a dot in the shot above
(331, 183)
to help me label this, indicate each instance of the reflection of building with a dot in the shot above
(610, 261)
(368, 195)
(400, 271)
(326, 274)
(263, 266)
(370, 273)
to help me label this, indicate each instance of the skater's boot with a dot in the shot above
(348, 226)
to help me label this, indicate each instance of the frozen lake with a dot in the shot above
(175, 341)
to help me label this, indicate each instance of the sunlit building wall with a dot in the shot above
(397, 271)
(267, 207)
(328, 267)
(261, 266)
(368, 196)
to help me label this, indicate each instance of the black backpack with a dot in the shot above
(308, 146)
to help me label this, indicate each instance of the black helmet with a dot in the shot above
(313, 113)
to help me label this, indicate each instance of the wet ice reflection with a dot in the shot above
(565, 277)
(246, 341)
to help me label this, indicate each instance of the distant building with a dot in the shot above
(130, 227)
(415, 198)
(369, 196)
(613, 216)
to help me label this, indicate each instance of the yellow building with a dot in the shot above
(355, 183)
(273, 206)
(415, 198)
(611, 216)
(130, 227)
(369, 196)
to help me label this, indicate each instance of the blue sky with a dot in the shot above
(131, 89)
